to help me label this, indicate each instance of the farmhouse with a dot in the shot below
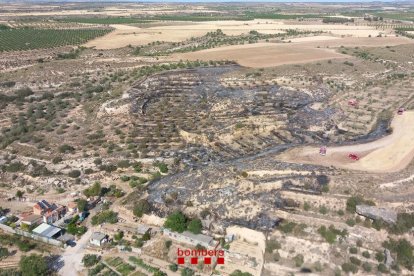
(190, 238)
(50, 212)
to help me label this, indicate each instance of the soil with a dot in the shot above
(389, 154)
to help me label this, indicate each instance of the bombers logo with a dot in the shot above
(194, 254)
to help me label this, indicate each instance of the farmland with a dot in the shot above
(28, 39)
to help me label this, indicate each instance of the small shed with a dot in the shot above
(47, 231)
(98, 239)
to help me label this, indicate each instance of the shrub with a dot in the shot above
(287, 227)
(74, 173)
(350, 222)
(33, 265)
(66, 148)
(353, 201)
(299, 260)
(90, 260)
(355, 260)
(404, 251)
(367, 267)
(173, 267)
(195, 226)
(271, 245)
(176, 222)
(238, 272)
(366, 254)
(353, 250)
(331, 233)
(382, 268)
(105, 216)
(348, 267)
(323, 210)
(162, 167)
(57, 160)
(380, 257)
(405, 222)
(141, 207)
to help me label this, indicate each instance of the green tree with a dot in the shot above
(176, 222)
(82, 205)
(95, 190)
(33, 265)
(19, 194)
(195, 226)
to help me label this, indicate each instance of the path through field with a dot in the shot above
(388, 154)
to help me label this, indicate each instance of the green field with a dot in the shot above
(105, 20)
(28, 39)
(256, 15)
(405, 16)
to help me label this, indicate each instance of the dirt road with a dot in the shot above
(72, 257)
(388, 154)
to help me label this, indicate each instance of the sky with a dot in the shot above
(275, 1)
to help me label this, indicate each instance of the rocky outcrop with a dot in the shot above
(389, 261)
(377, 213)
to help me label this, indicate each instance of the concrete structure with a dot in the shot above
(47, 231)
(376, 213)
(98, 239)
(190, 238)
(31, 219)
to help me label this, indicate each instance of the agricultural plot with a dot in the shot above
(28, 39)
(263, 54)
(106, 20)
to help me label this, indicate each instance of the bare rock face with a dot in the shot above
(376, 213)
(389, 261)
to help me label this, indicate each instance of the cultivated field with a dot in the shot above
(175, 32)
(263, 54)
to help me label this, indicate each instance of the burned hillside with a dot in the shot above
(236, 193)
(195, 115)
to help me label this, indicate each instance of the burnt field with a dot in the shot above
(196, 115)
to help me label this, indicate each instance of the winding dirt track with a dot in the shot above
(388, 154)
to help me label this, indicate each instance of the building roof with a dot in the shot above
(195, 237)
(31, 218)
(44, 205)
(198, 237)
(98, 236)
(46, 230)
